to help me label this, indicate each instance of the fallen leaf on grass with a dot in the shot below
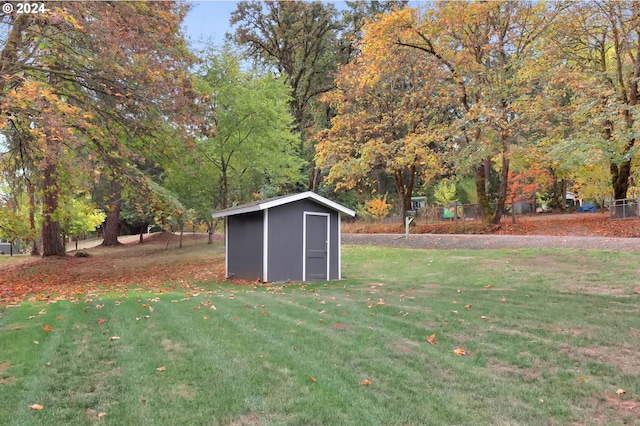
(365, 382)
(35, 342)
(432, 339)
(60, 317)
(31, 317)
(580, 379)
(468, 306)
(312, 379)
(205, 317)
(504, 299)
(47, 328)
(42, 312)
(101, 320)
(163, 368)
(488, 286)
(36, 407)
(112, 338)
(460, 352)
(483, 317)
(621, 391)
(264, 313)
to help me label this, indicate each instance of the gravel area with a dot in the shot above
(442, 241)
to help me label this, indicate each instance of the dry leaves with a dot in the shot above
(432, 339)
(163, 368)
(365, 382)
(36, 407)
(621, 391)
(47, 328)
(460, 352)
(112, 338)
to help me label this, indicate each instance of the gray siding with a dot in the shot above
(285, 240)
(245, 246)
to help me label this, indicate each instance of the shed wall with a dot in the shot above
(285, 240)
(245, 246)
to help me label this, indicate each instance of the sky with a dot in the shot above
(208, 20)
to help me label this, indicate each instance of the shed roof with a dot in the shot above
(284, 199)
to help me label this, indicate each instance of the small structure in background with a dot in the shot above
(289, 238)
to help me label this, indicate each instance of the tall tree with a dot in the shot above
(388, 118)
(299, 40)
(601, 40)
(89, 78)
(482, 46)
(254, 150)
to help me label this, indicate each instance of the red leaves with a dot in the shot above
(47, 328)
(101, 320)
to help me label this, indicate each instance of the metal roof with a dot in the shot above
(284, 199)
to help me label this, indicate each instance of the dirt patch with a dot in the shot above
(172, 347)
(248, 420)
(184, 391)
(402, 347)
(625, 359)
(622, 403)
(4, 366)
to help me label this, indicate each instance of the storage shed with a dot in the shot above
(289, 238)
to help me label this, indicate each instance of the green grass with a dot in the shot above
(555, 351)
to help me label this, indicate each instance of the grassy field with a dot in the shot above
(549, 338)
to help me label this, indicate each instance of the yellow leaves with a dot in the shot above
(365, 382)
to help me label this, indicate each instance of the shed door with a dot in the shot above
(315, 265)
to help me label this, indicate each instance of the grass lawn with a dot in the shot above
(550, 338)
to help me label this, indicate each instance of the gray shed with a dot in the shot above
(289, 238)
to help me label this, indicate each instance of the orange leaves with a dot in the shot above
(312, 379)
(101, 320)
(37, 407)
(365, 382)
(47, 328)
(432, 339)
(460, 352)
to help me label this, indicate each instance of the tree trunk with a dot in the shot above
(620, 179)
(32, 217)
(404, 189)
(51, 236)
(112, 225)
(481, 191)
(504, 186)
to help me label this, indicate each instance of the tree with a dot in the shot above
(77, 216)
(84, 80)
(388, 118)
(600, 40)
(254, 150)
(300, 41)
(482, 46)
